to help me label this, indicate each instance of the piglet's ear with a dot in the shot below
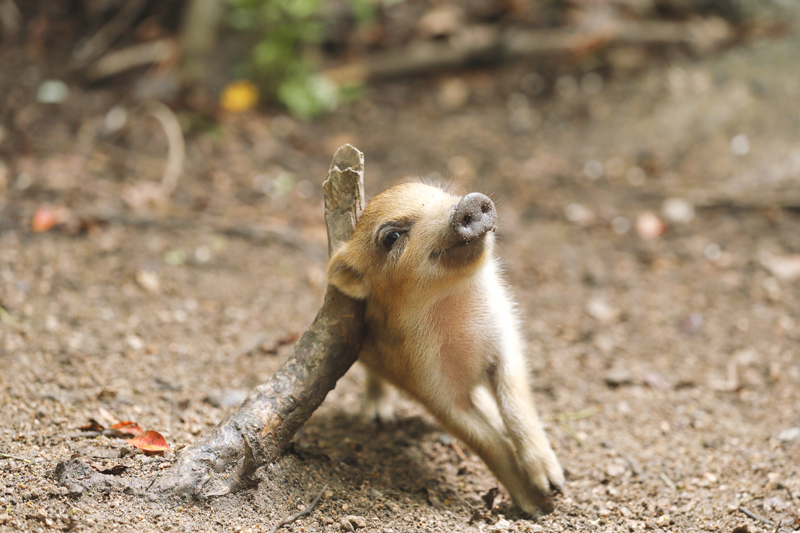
(343, 276)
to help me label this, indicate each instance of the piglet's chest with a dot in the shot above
(461, 328)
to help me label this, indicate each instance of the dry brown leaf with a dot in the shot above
(127, 428)
(150, 442)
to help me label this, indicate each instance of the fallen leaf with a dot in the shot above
(150, 442)
(44, 218)
(489, 497)
(289, 338)
(239, 96)
(127, 428)
(115, 470)
(93, 425)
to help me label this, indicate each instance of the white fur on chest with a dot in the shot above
(443, 341)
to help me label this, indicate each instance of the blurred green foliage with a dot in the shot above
(284, 30)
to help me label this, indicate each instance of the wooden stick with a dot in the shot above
(100, 41)
(135, 56)
(226, 459)
(176, 148)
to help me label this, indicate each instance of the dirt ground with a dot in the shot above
(666, 366)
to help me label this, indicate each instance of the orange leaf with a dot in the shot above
(150, 442)
(127, 427)
(44, 218)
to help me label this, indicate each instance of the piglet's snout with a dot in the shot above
(473, 216)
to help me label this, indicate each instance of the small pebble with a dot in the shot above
(602, 310)
(620, 225)
(692, 323)
(358, 522)
(115, 119)
(649, 227)
(775, 504)
(712, 251)
(636, 176)
(593, 169)
(579, 214)
(52, 92)
(446, 439)
(789, 435)
(227, 398)
(678, 210)
(453, 94)
(149, 281)
(618, 377)
(500, 525)
(615, 469)
(740, 145)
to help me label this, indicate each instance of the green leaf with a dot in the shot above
(309, 96)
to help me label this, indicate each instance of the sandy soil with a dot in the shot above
(667, 369)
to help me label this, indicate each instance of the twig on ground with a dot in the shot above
(138, 55)
(574, 434)
(668, 482)
(492, 47)
(100, 41)
(634, 465)
(459, 452)
(300, 514)
(176, 154)
(579, 415)
(747, 512)
(7, 456)
(461, 497)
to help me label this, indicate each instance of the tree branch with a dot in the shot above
(225, 459)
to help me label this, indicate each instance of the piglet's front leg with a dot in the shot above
(532, 448)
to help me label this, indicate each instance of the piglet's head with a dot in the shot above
(414, 237)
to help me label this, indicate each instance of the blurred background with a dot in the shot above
(509, 96)
(162, 246)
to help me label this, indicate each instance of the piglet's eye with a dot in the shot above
(389, 239)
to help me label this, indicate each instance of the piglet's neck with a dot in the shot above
(415, 304)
